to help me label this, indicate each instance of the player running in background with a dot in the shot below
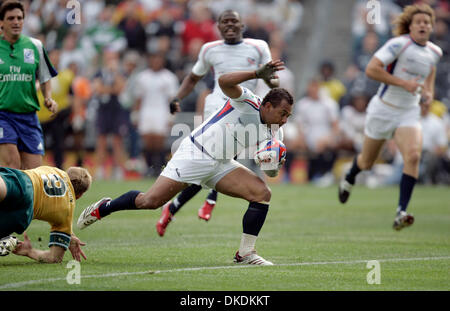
(45, 193)
(22, 61)
(206, 157)
(406, 67)
(233, 53)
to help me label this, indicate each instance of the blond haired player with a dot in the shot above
(406, 68)
(45, 193)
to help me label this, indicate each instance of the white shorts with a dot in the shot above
(190, 165)
(156, 122)
(382, 120)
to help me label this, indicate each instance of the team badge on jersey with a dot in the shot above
(1, 61)
(28, 56)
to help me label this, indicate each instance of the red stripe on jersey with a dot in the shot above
(225, 109)
(434, 49)
(253, 104)
(254, 45)
(221, 42)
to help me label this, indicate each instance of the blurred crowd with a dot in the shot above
(122, 62)
(328, 125)
(126, 59)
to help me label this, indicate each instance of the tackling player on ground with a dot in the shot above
(45, 193)
(406, 67)
(206, 157)
(233, 53)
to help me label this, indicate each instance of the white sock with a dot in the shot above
(248, 242)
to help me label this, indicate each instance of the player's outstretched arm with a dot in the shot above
(229, 82)
(54, 255)
(186, 87)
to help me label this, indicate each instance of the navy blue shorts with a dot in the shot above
(22, 130)
(111, 118)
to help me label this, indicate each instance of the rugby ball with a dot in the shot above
(269, 156)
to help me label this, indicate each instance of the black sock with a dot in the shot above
(406, 188)
(254, 218)
(212, 196)
(351, 175)
(183, 197)
(124, 202)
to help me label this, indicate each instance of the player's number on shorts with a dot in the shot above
(54, 186)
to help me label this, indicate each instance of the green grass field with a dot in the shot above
(316, 244)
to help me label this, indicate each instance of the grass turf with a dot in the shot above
(316, 243)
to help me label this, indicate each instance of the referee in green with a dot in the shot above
(22, 61)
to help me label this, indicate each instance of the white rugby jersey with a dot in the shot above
(233, 128)
(406, 59)
(222, 58)
(155, 90)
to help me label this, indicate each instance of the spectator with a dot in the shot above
(434, 147)
(360, 26)
(352, 123)
(316, 115)
(335, 88)
(128, 99)
(82, 92)
(55, 127)
(155, 88)
(363, 54)
(255, 28)
(133, 28)
(111, 118)
(199, 25)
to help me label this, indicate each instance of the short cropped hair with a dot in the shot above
(276, 95)
(228, 12)
(80, 178)
(10, 5)
(403, 21)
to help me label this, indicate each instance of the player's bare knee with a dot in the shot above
(263, 195)
(412, 157)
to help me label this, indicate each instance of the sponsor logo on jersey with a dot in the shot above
(251, 61)
(393, 48)
(28, 56)
(16, 77)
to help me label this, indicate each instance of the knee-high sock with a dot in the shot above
(407, 184)
(252, 223)
(354, 170)
(212, 197)
(124, 202)
(183, 197)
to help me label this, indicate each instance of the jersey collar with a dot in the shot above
(236, 43)
(417, 43)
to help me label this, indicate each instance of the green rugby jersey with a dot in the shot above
(20, 65)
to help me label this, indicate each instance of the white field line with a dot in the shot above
(118, 274)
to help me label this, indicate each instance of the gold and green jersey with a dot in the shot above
(54, 200)
(20, 64)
